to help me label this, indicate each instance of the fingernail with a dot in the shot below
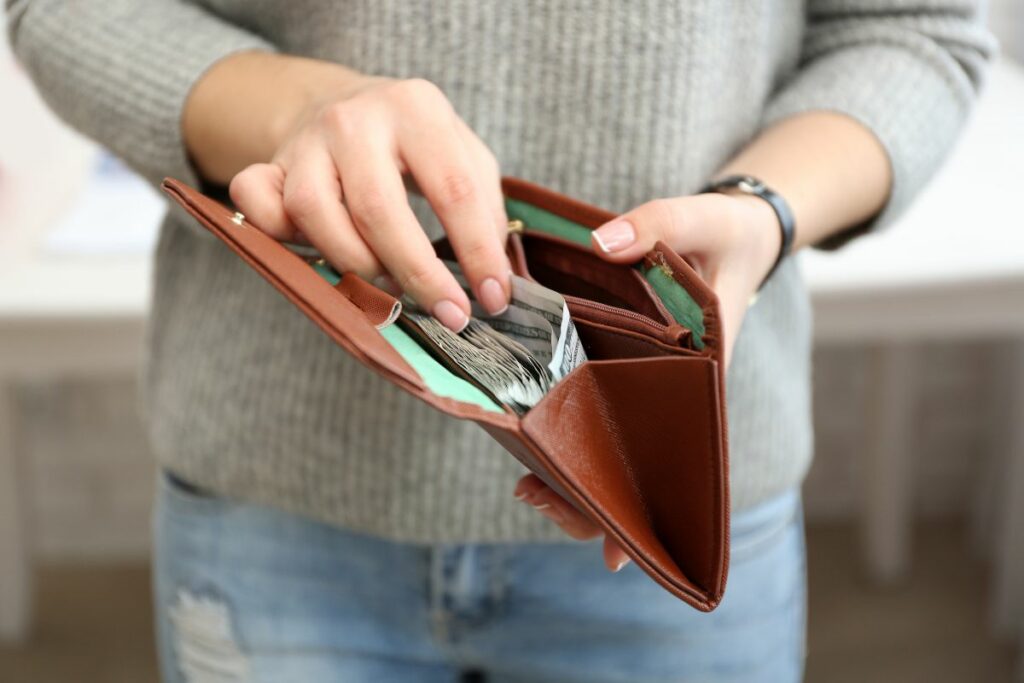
(622, 563)
(450, 315)
(522, 495)
(549, 512)
(615, 236)
(492, 296)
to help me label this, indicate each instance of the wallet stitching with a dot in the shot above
(711, 482)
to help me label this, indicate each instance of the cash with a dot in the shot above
(516, 356)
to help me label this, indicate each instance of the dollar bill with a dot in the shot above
(538, 318)
(516, 356)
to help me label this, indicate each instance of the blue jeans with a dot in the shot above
(249, 593)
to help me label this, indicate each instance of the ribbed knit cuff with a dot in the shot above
(914, 105)
(133, 63)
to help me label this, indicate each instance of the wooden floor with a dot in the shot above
(94, 623)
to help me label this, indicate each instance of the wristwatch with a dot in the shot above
(752, 186)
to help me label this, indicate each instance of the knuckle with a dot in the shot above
(455, 189)
(301, 201)
(421, 98)
(665, 220)
(242, 185)
(421, 275)
(336, 117)
(477, 254)
(491, 162)
(418, 89)
(369, 203)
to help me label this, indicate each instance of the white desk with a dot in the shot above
(84, 315)
(951, 269)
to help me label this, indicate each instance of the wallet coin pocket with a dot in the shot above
(644, 471)
(572, 271)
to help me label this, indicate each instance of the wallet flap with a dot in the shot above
(331, 310)
(638, 444)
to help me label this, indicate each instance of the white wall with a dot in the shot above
(1006, 19)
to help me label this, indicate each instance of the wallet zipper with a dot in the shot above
(673, 334)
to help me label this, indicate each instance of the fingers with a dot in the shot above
(257, 192)
(463, 199)
(378, 204)
(487, 168)
(304, 207)
(312, 202)
(338, 184)
(686, 224)
(615, 558)
(530, 489)
(535, 492)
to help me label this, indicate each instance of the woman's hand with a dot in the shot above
(732, 240)
(336, 181)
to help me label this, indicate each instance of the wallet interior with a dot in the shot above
(674, 296)
(619, 311)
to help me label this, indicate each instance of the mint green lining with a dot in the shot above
(547, 222)
(437, 378)
(677, 300)
(684, 309)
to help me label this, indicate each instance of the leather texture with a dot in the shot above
(635, 438)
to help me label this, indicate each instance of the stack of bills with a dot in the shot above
(515, 357)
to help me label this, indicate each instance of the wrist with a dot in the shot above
(760, 233)
(756, 189)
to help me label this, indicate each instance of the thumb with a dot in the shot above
(684, 223)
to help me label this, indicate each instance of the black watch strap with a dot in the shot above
(752, 186)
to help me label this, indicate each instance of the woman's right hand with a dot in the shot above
(337, 177)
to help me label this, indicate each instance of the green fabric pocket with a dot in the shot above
(434, 375)
(437, 378)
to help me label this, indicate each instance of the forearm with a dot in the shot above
(833, 172)
(240, 111)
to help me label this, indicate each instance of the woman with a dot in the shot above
(313, 522)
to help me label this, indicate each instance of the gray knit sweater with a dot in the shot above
(612, 102)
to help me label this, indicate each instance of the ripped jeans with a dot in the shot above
(249, 593)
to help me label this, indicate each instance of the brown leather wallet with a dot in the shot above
(635, 438)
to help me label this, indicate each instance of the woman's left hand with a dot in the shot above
(731, 240)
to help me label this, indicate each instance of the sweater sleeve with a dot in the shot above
(908, 70)
(119, 71)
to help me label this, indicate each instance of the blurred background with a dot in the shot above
(915, 503)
